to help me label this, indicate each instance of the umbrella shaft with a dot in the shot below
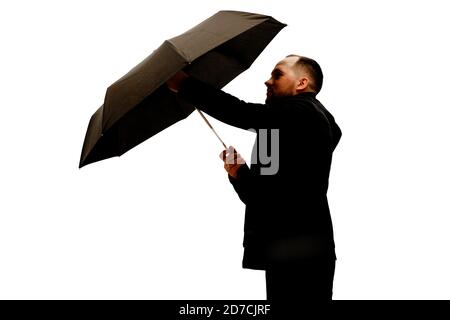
(209, 125)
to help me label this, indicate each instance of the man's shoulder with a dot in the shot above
(301, 103)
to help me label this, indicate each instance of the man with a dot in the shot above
(288, 230)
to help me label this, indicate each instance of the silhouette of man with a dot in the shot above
(288, 229)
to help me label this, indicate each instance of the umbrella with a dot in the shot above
(138, 105)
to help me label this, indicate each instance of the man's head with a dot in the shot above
(293, 75)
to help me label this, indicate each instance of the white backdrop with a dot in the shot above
(162, 221)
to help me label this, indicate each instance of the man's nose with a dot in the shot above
(268, 82)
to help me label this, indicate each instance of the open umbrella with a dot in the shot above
(138, 105)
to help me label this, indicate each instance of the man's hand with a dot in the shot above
(177, 79)
(232, 161)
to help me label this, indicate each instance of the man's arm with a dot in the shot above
(226, 107)
(242, 183)
(238, 173)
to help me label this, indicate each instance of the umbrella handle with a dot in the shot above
(209, 125)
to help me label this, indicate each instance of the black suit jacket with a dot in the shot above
(287, 218)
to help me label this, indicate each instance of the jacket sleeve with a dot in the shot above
(227, 108)
(243, 183)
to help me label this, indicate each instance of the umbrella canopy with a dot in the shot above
(138, 105)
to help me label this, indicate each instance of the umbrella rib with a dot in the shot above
(179, 51)
(209, 125)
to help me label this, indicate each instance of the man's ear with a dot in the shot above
(302, 84)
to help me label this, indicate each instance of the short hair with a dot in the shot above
(313, 69)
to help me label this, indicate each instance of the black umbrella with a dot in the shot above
(138, 105)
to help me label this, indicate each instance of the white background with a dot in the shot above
(162, 221)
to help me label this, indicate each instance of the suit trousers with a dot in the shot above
(311, 280)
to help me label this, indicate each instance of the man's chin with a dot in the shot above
(270, 99)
